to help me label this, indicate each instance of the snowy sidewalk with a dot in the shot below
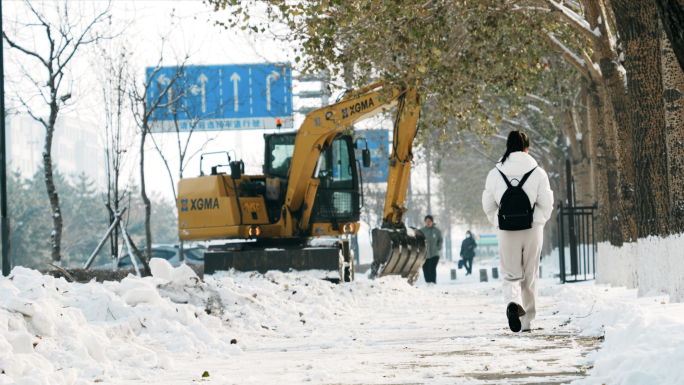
(450, 335)
(283, 328)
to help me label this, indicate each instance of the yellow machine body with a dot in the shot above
(208, 210)
(221, 207)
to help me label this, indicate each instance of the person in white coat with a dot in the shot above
(519, 251)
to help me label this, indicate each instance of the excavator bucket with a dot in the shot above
(398, 252)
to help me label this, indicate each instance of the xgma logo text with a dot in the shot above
(200, 204)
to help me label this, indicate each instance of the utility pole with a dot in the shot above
(4, 220)
(427, 165)
(348, 78)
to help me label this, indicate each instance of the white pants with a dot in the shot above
(520, 252)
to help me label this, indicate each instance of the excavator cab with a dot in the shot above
(337, 199)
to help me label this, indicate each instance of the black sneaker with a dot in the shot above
(514, 312)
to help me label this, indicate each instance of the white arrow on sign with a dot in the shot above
(269, 79)
(196, 90)
(235, 78)
(164, 80)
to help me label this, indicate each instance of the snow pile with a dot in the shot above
(55, 332)
(644, 338)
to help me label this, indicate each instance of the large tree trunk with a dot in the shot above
(672, 16)
(622, 132)
(638, 26)
(583, 154)
(608, 226)
(589, 141)
(572, 128)
(673, 85)
(56, 235)
(143, 195)
(595, 118)
(609, 147)
(621, 173)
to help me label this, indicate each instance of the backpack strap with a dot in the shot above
(524, 179)
(508, 183)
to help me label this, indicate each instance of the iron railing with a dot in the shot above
(576, 233)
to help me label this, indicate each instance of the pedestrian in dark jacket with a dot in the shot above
(468, 252)
(433, 236)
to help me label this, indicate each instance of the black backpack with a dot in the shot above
(515, 212)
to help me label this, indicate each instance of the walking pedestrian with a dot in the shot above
(468, 252)
(433, 236)
(518, 200)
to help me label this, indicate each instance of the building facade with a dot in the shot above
(76, 148)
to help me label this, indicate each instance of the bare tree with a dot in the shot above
(146, 101)
(111, 64)
(51, 37)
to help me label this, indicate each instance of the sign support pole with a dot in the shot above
(4, 220)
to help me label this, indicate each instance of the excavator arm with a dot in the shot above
(397, 250)
(405, 127)
(320, 128)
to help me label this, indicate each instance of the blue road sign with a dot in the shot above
(221, 97)
(378, 144)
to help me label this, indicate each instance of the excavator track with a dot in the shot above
(333, 256)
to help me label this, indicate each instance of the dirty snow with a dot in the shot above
(293, 327)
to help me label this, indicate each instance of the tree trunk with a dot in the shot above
(112, 243)
(56, 235)
(672, 16)
(589, 132)
(622, 132)
(595, 119)
(428, 169)
(582, 154)
(143, 195)
(621, 173)
(609, 202)
(638, 26)
(181, 249)
(673, 85)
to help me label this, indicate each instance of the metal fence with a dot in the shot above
(576, 238)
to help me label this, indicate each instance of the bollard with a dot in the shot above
(483, 275)
(453, 274)
(540, 273)
(495, 273)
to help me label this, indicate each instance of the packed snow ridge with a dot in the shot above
(56, 332)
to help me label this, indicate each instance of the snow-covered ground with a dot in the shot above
(292, 327)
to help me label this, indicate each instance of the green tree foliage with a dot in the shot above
(85, 220)
(483, 67)
(462, 54)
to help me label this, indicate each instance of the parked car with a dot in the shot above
(194, 255)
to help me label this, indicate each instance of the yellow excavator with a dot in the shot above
(311, 186)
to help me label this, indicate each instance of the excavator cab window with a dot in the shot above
(279, 151)
(337, 198)
(336, 171)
